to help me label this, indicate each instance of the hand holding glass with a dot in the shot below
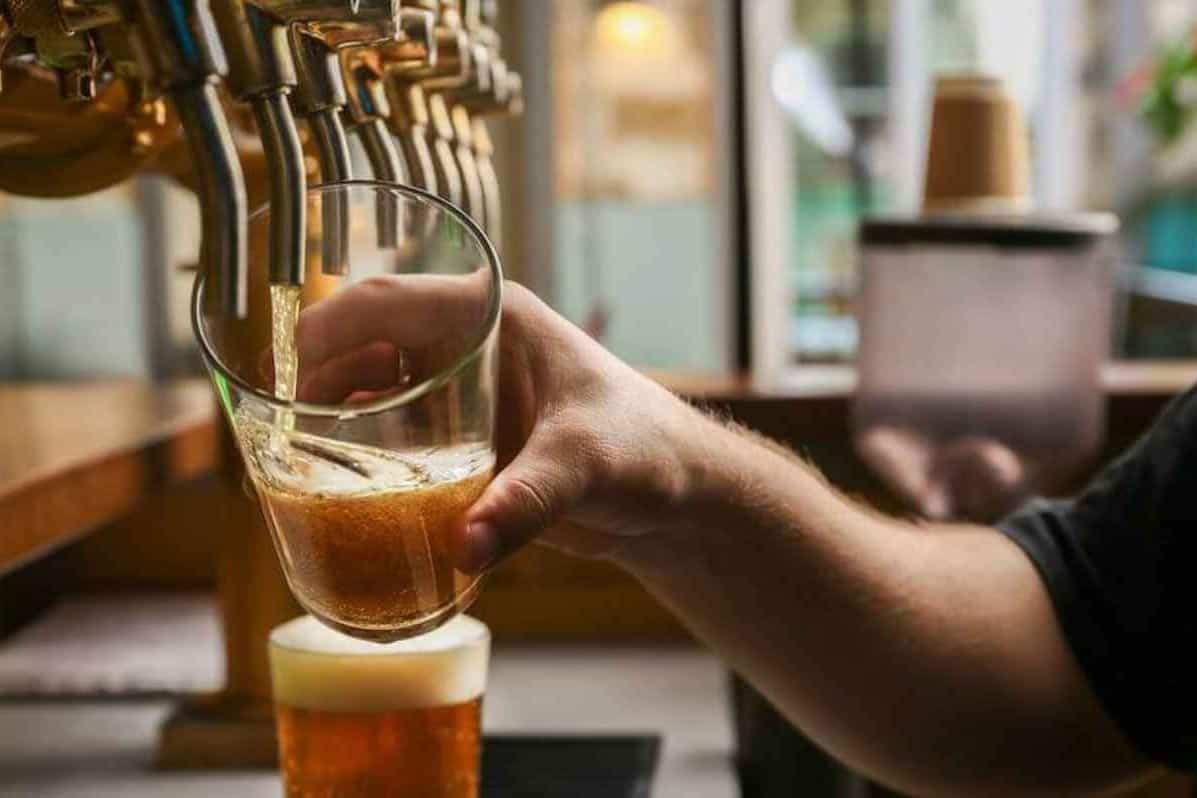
(370, 432)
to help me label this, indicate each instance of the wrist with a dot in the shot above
(702, 478)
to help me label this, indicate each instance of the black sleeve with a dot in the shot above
(1120, 563)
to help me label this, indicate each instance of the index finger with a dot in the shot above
(410, 312)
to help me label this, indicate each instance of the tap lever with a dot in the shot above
(319, 84)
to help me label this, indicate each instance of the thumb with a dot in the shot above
(545, 480)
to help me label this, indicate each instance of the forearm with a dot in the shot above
(929, 658)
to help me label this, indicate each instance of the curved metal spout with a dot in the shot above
(333, 147)
(288, 187)
(319, 97)
(387, 165)
(221, 187)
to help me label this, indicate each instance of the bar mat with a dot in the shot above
(517, 766)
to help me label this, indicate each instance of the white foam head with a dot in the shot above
(317, 668)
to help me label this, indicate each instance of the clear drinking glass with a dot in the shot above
(359, 719)
(368, 444)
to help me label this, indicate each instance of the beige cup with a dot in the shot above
(977, 159)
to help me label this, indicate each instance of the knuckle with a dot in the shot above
(533, 499)
(516, 294)
(520, 305)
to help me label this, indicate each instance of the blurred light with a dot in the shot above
(635, 28)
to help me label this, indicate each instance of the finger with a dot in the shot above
(984, 478)
(410, 311)
(546, 480)
(902, 459)
(375, 367)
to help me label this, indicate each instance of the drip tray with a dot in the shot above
(517, 766)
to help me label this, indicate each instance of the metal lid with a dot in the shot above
(1015, 231)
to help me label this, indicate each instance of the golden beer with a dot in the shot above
(365, 534)
(360, 719)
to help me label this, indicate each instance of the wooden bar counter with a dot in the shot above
(74, 457)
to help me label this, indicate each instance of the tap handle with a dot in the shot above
(319, 85)
(183, 48)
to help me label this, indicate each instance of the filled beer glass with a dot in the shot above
(359, 719)
(362, 401)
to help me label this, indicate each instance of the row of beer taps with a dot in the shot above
(413, 80)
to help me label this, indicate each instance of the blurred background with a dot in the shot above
(711, 161)
(687, 184)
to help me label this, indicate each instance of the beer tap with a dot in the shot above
(407, 107)
(188, 59)
(262, 74)
(502, 94)
(320, 98)
(175, 52)
(505, 99)
(423, 128)
(459, 132)
(367, 108)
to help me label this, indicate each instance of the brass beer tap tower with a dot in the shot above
(243, 100)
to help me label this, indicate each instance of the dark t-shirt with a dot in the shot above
(1120, 563)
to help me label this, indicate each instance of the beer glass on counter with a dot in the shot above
(362, 402)
(360, 719)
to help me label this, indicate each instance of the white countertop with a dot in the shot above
(90, 749)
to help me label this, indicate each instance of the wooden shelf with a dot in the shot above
(74, 456)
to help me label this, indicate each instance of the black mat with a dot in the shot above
(515, 766)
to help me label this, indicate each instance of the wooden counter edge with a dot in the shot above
(1164, 378)
(45, 511)
(41, 512)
